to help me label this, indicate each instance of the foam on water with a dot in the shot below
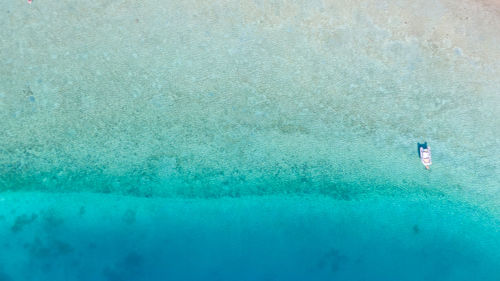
(304, 113)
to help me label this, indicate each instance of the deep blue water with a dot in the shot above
(106, 237)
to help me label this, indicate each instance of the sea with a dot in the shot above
(249, 140)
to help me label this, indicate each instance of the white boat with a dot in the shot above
(425, 156)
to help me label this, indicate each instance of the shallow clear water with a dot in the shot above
(253, 140)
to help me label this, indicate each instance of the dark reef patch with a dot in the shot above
(129, 268)
(39, 249)
(22, 221)
(51, 219)
(129, 216)
(416, 229)
(332, 260)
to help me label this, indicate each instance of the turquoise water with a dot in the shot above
(105, 237)
(249, 140)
